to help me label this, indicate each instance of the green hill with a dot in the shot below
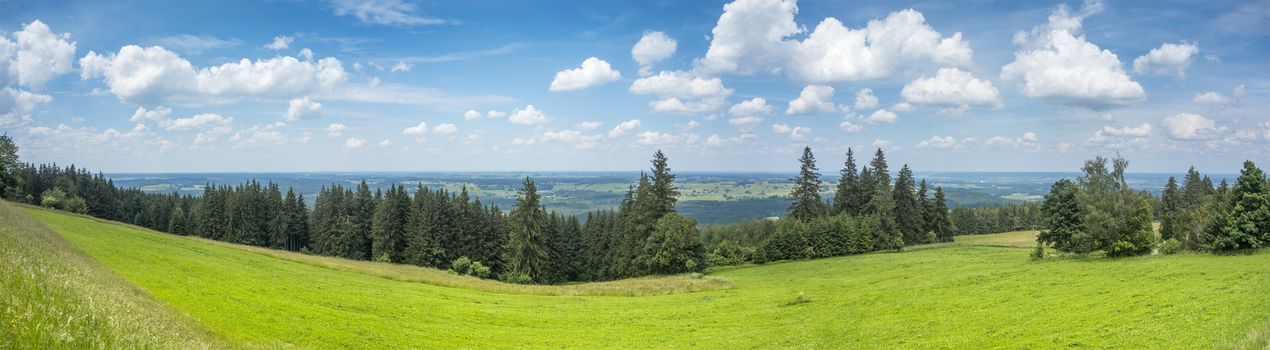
(959, 295)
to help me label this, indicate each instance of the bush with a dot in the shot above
(383, 258)
(479, 270)
(1170, 246)
(77, 205)
(1039, 252)
(517, 278)
(461, 266)
(54, 198)
(800, 299)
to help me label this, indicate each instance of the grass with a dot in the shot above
(1020, 239)
(948, 296)
(53, 296)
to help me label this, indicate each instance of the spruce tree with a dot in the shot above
(848, 197)
(806, 193)
(388, 230)
(664, 193)
(1248, 223)
(1170, 211)
(908, 215)
(881, 173)
(942, 224)
(526, 245)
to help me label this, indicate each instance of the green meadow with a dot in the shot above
(122, 286)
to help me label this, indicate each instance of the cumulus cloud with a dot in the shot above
(335, 129)
(813, 99)
(354, 143)
(528, 116)
(383, 12)
(157, 115)
(401, 66)
(653, 47)
(1214, 98)
(753, 36)
(1029, 140)
(1186, 126)
(953, 89)
(623, 128)
(17, 105)
(495, 114)
(682, 92)
(258, 135)
(864, 99)
(280, 42)
(1057, 63)
(941, 142)
(882, 116)
(196, 43)
(657, 138)
(796, 133)
(848, 126)
(303, 108)
(414, 130)
(445, 129)
(589, 125)
(197, 122)
(35, 56)
(1121, 137)
(593, 72)
(471, 115)
(754, 106)
(154, 75)
(746, 121)
(1168, 58)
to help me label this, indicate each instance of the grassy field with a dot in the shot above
(960, 295)
(52, 296)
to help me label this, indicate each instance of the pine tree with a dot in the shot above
(388, 231)
(526, 246)
(848, 197)
(1170, 211)
(806, 191)
(664, 193)
(1248, 222)
(881, 174)
(942, 224)
(908, 216)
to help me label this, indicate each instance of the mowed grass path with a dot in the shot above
(955, 296)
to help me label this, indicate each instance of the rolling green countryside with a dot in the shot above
(980, 292)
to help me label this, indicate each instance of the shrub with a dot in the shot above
(77, 205)
(1039, 252)
(800, 299)
(383, 258)
(517, 278)
(462, 265)
(1170, 246)
(479, 270)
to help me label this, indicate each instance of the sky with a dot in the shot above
(395, 85)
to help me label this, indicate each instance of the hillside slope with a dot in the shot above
(955, 296)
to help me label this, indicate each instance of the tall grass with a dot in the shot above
(53, 296)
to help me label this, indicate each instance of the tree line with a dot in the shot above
(1098, 212)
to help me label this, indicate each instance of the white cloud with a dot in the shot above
(750, 37)
(401, 66)
(953, 89)
(864, 99)
(1138, 131)
(1214, 98)
(623, 128)
(415, 130)
(445, 129)
(902, 107)
(1168, 58)
(746, 121)
(1121, 137)
(303, 108)
(756, 106)
(495, 114)
(796, 133)
(197, 122)
(383, 12)
(471, 115)
(155, 116)
(307, 55)
(848, 126)
(813, 99)
(354, 143)
(283, 42)
(589, 125)
(653, 47)
(35, 56)
(196, 43)
(17, 105)
(1186, 126)
(385, 143)
(259, 135)
(834, 53)
(593, 72)
(1057, 65)
(941, 142)
(335, 129)
(882, 116)
(154, 75)
(1028, 141)
(655, 138)
(528, 116)
(682, 92)
(754, 36)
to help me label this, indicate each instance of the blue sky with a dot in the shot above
(599, 85)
